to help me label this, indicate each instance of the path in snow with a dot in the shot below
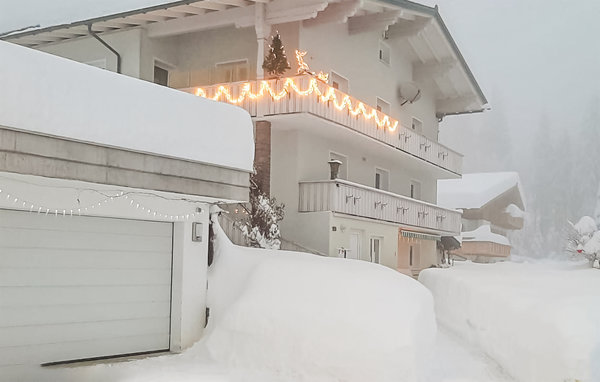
(456, 361)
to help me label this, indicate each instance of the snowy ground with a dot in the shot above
(538, 321)
(453, 361)
(282, 316)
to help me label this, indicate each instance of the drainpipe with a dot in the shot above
(94, 35)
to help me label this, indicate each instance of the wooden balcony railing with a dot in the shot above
(305, 94)
(358, 200)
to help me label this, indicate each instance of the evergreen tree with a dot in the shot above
(276, 62)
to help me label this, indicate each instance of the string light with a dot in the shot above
(290, 85)
(34, 207)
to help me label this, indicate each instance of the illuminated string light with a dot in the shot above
(313, 88)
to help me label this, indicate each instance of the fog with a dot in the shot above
(538, 63)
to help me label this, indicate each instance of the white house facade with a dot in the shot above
(394, 72)
(106, 184)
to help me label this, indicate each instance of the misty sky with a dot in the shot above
(529, 56)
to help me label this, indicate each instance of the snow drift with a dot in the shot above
(293, 316)
(539, 321)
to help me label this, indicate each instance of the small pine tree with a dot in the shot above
(261, 228)
(276, 62)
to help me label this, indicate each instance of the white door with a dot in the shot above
(354, 252)
(375, 251)
(82, 287)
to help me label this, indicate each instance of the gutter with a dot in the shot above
(440, 116)
(94, 35)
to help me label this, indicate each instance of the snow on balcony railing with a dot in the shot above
(305, 94)
(358, 200)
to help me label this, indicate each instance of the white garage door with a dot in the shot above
(82, 287)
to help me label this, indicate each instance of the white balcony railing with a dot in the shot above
(304, 94)
(358, 200)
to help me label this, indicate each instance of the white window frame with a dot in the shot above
(384, 47)
(371, 246)
(344, 165)
(387, 173)
(156, 62)
(388, 106)
(417, 183)
(229, 62)
(420, 124)
(336, 74)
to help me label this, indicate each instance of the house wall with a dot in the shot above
(424, 254)
(88, 49)
(314, 153)
(331, 48)
(367, 229)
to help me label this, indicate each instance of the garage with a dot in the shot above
(76, 288)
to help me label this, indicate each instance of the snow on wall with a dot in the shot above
(51, 95)
(538, 321)
(475, 190)
(303, 317)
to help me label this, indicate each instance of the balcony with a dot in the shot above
(305, 94)
(358, 200)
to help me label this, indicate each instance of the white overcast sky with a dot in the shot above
(536, 56)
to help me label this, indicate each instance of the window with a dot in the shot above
(339, 82)
(382, 179)
(376, 249)
(417, 125)
(343, 172)
(410, 255)
(232, 71)
(383, 106)
(384, 53)
(161, 76)
(415, 189)
(413, 256)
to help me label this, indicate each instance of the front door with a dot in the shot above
(354, 252)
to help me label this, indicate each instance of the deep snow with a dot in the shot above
(116, 110)
(538, 321)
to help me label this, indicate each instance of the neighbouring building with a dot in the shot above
(106, 183)
(394, 72)
(492, 205)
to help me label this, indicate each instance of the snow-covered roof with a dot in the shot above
(484, 233)
(55, 96)
(477, 189)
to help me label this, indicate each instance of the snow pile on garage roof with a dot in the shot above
(475, 190)
(51, 95)
(538, 321)
(288, 316)
(484, 233)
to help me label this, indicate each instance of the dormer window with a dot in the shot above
(384, 52)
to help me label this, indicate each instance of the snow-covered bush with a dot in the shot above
(261, 228)
(584, 240)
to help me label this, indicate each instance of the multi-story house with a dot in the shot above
(394, 72)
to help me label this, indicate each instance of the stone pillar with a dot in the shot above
(262, 155)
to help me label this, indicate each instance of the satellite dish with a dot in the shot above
(408, 92)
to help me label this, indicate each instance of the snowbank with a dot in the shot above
(300, 317)
(55, 96)
(540, 322)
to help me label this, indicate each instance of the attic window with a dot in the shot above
(384, 53)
